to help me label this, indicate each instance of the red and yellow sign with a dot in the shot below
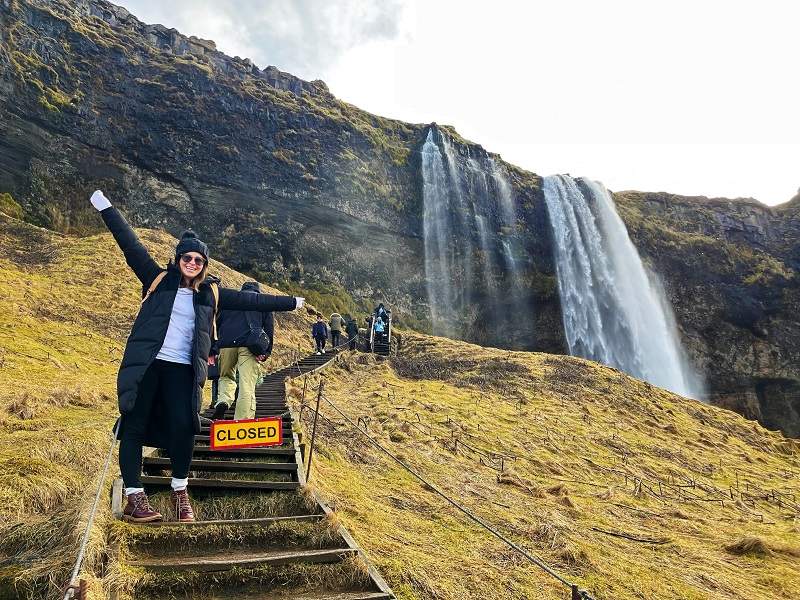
(247, 433)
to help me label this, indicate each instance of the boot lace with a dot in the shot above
(182, 501)
(141, 503)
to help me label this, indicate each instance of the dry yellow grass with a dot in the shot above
(628, 490)
(66, 306)
(586, 449)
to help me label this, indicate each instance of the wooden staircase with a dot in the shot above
(258, 535)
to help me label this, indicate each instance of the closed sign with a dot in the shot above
(247, 433)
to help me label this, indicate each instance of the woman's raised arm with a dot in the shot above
(136, 255)
(234, 300)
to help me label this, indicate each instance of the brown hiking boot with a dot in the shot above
(138, 509)
(183, 510)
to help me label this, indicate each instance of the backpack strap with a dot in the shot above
(154, 285)
(214, 292)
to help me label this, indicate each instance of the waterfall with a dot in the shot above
(508, 213)
(612, 311)
(472, 259)
(436, 230)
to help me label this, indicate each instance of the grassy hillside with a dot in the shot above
(66, 306)
(592, 455)
(707, 500)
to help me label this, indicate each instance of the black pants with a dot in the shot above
(169, 386)
(320, 341)
(335, 335)
(352, 339)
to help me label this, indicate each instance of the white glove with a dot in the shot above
(99, 201)
(299, 302)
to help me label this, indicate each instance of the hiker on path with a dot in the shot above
(245, 341)
(352, 333)
(336, 329)
(165, 362)
(319, 332)
(380, 327)
(381, 313)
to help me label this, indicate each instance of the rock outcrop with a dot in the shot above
(730, 268)
(289, 183)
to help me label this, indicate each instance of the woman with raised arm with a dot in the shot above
(165, 363)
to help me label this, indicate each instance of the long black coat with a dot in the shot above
(150, 327)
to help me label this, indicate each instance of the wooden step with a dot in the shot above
(223, 484)
(268, 451)
(279, 408)
(222, 465)
(258, 521)
(229, 416)
(329, 596)
(228, 561)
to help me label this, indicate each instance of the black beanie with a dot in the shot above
(191, 243)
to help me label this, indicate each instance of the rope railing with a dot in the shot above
(576, 592)
(74, 585)
(75, 588)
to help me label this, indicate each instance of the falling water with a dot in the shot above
(469, 226)
(509, 218)
(436, 230)
(612, 311)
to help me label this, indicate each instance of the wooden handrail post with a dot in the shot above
(314, 429)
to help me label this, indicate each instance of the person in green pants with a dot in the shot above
(245, 339)
(245, 364)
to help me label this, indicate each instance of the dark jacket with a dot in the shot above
(319, 330)
(233, 326)
(352, 328)
(150, 327)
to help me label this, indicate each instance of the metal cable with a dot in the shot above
(535, 560)
(70, 593)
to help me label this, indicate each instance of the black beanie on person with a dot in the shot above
(191, 243)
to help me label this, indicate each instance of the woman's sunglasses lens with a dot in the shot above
(196, 259)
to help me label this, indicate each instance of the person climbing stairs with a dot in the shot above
(257, 535)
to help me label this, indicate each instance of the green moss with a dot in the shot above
(10, 206)
(286, 157)
(544, 286)
(327, 297)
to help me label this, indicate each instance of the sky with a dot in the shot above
(690, 97)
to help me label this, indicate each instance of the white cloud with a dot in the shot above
(685, 96)
(303, 37)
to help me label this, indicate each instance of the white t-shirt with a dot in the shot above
(177, 345)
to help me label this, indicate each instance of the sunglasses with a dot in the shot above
(198, 260)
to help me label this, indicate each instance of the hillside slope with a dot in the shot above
(626, 489)
(66, 306)
(590, 453)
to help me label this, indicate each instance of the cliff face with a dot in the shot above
(282, 178)
(730, 269)
(291, 184)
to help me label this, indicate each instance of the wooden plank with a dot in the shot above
(269, 451)
(226, 561)
(225, 484)
(287, 437)
(224, 465)
(117, 497)
(339, 596)
(258, 521)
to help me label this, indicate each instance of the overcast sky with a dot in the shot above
(690, 97)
